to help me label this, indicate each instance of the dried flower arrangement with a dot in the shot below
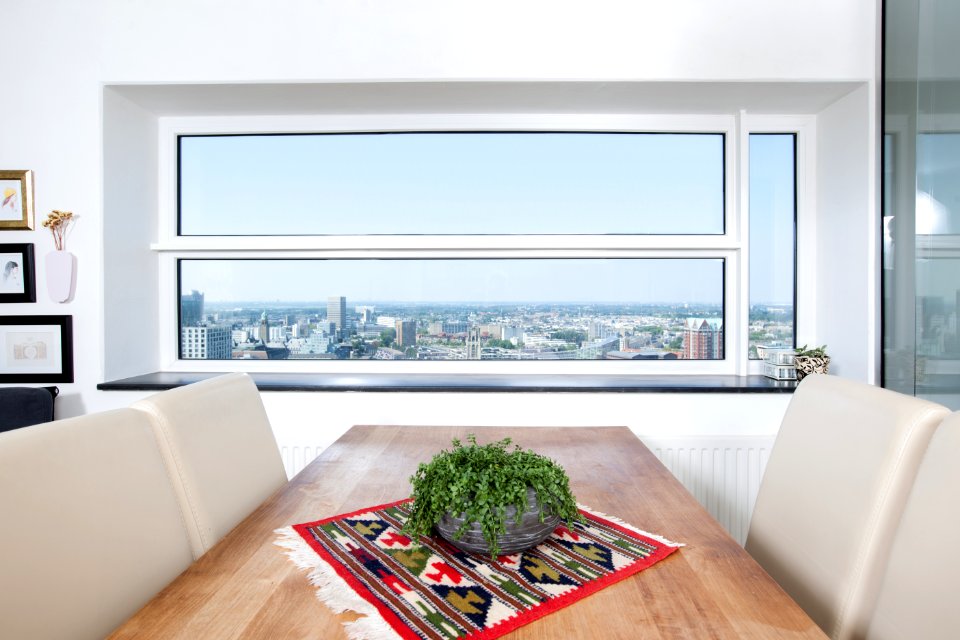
(59, 222)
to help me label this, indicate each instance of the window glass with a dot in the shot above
(452, 309)
(773, 205)
(452, 183)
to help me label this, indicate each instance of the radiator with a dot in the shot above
(297, 457)
(722, 472)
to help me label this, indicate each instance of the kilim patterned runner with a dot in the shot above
(361, 562)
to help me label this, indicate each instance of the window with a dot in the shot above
(444, 309)
(773, 202)
(451, 183)
(614, 250)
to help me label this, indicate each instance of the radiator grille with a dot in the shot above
(722, 473)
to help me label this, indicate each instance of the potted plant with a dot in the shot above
(813, 360)
(486, 498)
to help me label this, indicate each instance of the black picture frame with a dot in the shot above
(21, 256)
(36, 349)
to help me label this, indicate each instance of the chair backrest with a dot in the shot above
(918, 594)
(90, 527)
(26, 406)
(220, 450)
(835, 485)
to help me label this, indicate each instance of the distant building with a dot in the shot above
(474, 350)
(598, 331)
(337, 313)
(447, 327)
(191, 309)
(277, 334)
(703, 339)
(365, 311)
(264, 332)
(205, 343)
(406, 333)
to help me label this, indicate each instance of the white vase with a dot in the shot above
(61, 275)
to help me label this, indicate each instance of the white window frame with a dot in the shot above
(731, 246)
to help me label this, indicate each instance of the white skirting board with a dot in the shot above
(722, 472)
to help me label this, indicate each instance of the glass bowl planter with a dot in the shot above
(519, 536)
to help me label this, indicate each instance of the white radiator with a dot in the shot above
(722, 472)
(298, 457)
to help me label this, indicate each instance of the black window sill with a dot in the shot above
(515, 383)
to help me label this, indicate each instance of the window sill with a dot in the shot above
(517, 383)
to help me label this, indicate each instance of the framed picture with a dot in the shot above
(16, 199)
(36, 349)
(17, 282)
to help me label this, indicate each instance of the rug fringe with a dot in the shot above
(333, 591)
(370, 628)
(627, 525)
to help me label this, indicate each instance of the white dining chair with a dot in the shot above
(918, 593)
(833, 491)
(220, 450)
(91, 528)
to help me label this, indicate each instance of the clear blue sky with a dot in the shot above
(452, 183)
(583, 280)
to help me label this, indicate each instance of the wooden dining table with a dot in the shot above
(246, 587)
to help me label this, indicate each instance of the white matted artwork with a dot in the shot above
(36, 349)
(17, 283)
(11, 273)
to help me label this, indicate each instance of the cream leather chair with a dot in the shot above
(90, 527)
(833, 491)
(220, 450)
(918, 594)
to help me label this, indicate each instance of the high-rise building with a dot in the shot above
(264, 332)
(337, 313)
(406, 333)
(191, 309)
(206, 343)
(703, 339)
(473, 343)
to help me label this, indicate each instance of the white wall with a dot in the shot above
(847, 259)
(63, 51)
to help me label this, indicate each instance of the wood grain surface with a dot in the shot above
(245, 587)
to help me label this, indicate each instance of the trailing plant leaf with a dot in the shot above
(480, 481)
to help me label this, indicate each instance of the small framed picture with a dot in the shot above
(17, 281)
(36, 349)
(16, 199)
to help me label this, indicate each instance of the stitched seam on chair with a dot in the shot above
(180, 475)
(869, 537)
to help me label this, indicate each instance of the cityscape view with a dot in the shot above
(340, 327)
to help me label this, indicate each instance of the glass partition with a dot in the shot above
(921, 199)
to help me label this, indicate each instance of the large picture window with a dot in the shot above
(478, 244)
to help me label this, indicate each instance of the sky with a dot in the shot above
(479, 280)
(469, 183)
(452, 183)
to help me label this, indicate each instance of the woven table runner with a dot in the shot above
(361, 562)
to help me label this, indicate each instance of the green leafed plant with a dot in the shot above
(480, 481)
(815, 352)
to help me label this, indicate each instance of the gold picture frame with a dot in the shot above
(16, 199)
